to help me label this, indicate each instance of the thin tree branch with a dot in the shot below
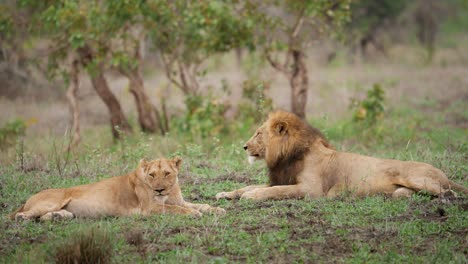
(293, 37)
(297, 26)
(277, 65)
(183, 77)
(168, 68)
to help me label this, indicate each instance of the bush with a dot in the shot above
(204, 117)
(88, 246)
(371, 109)
(11, 131)
(255, 104)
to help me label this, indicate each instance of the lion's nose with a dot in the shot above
(245, 147)
(159, 190)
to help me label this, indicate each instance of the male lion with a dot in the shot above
(302, 163)
(152, 188)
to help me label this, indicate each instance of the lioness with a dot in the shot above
(152, 188)
(302, 163)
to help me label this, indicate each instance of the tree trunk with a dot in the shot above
(74, 107)
(148, 116)
(118, 120)
(299, 83)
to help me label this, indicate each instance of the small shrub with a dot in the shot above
(371, 109)
(134, 237)
(88, 246)
(255, 104)
(204, 117)
(11, 131)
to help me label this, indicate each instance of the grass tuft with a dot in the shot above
(85, 246)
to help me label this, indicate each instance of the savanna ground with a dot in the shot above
(426, 119)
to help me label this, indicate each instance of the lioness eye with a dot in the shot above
(166, 173)
(152, 175)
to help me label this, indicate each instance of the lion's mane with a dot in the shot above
(289, 140)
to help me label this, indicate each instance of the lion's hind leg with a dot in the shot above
(402, 192)
(42, 203)
(431, 180)
(57, 215)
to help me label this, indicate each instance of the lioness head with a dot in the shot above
(160, 175)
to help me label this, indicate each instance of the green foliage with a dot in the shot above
(457, 22)
(371, 109)
(255, 104)
(6, 23)
(369, 15)
(71, 25)
(319, 17)
(204, 117)
(192, 30)
(10, 131)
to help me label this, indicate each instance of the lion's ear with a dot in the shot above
(142, 163)
(141, 170)
(280, 127)
(177, 161)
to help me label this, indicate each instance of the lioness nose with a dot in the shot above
(245, 147)
(159, 190)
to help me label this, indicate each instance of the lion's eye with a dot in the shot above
(166, 173)
(152, 175)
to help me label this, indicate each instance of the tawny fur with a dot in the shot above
(152, 188)
(302, 163)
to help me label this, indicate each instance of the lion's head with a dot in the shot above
(255, 147)
(283, 141)
(160, 175)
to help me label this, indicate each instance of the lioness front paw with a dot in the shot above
(21, 217)
(226, 195)
(195, 213)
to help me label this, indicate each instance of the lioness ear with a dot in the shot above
(142, 163)
(177, 161)
(142, 167)
(280, 127)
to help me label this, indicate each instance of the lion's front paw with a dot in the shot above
(253, 195)
(226, 195)
(210, 209)
(21, 217)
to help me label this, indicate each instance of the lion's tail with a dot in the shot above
(12, 215)
(458, 187)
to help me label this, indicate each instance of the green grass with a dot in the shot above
(346, 229)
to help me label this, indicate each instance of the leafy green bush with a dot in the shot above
(255, 103)
(11, 131)
(204, 117)
(371, 109)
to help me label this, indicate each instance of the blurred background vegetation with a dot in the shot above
(205, 68)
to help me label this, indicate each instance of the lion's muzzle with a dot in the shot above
(252, 159)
